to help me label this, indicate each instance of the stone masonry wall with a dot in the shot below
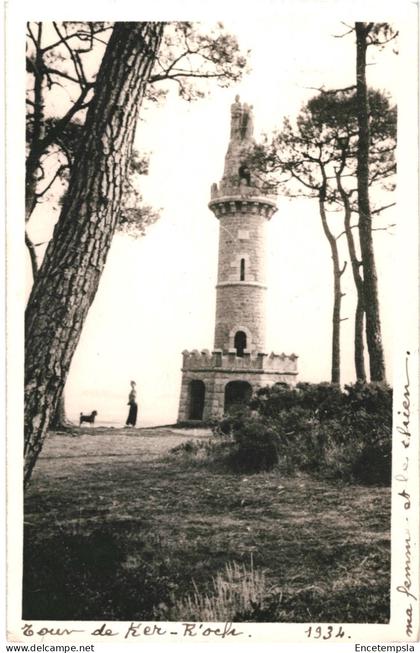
(215, 383)
(242, 235)
(241, 303)
(240, 306)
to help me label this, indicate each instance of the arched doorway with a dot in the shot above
(240, 342)
(237, 393)
(196, 403)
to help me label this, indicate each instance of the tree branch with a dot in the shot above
(384, 228)
(350, 29)
(57, 174)
(60, 73)
(74, 57)
(321, 89)
(61, 124)
(383, 208)
(32, 254)
(78, 35)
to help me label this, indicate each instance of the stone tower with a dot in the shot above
(214, 382)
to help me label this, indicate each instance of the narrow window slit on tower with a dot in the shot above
(242, 272)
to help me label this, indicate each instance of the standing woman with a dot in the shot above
(132, 413)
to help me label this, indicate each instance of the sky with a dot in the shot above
(157, 293)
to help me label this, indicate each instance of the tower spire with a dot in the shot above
(242, 122)
(236, 174)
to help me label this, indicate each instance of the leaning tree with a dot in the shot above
(62, 69)
(68, 279)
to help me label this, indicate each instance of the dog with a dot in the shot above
(88, 418)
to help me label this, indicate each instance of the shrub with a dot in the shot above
(316, 428)
(371, 397)
(229, 424)
(256, 447)
(321, 399)
(367, 423)
(270, 401)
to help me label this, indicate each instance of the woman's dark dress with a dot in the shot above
(132, 413)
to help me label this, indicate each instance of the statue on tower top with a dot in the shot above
(242, 121)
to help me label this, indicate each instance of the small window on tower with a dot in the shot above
(240, 343)
(242, 270)
(244, 174)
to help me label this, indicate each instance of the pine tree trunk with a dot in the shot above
(59, 421)
(68, 279)
(370, 281)
(336, 319)
(359, 348)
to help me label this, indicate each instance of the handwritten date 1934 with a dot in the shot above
(326, 632)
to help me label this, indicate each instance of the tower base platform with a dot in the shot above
(213, 383)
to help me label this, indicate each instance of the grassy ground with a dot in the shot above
(115, 528)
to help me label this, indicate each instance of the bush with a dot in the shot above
(256, 447)
(371, 397)
(229, 424)
(316, 428)
(320, 399)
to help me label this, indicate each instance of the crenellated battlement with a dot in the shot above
(246, 204)
(229, 361)
(239, 190)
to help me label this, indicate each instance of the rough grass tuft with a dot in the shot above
(237, 589)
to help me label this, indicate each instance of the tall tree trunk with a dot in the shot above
(337, 272)
(359, 345)
(59, 421)
(68, 279)
(359, 348)
(370, 281)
